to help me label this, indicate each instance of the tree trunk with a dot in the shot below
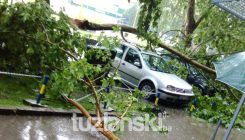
(190, 23)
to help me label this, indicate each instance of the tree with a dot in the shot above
(33, 37)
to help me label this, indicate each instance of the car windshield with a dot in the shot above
(155, 63)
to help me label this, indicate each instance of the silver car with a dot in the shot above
(147, 71)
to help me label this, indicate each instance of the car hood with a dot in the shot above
(171, 79)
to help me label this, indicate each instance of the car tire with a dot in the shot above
(148, 87)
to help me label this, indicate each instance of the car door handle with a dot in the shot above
(123, 64)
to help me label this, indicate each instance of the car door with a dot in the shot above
(120, 53)
(131, 67)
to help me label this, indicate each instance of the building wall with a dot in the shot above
(104, 11)
(73, 8)
(97, 11)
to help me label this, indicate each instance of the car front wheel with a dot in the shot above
(148, 89)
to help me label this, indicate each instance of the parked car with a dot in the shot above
(194, 76)
(147, 71)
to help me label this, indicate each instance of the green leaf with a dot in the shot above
(30, 51)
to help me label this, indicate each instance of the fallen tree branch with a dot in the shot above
(86, 25)
(99, 77)
(97, 125)
(97, 102)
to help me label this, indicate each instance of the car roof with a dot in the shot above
(135, 46)
(131, 45)
(150, 53)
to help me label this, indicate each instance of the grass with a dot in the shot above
(13, 90)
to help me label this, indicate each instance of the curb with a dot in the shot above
(37, 111)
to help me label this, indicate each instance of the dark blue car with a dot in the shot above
(194, 76)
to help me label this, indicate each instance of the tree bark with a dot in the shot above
(86, 25)
(190, 23)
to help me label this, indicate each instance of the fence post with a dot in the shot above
(42, 90)
(157, 99)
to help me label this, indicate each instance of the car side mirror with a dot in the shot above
(137, 64)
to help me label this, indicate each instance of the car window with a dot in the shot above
(192, 70)
(120, 51)
(155, 63)
(132, 56)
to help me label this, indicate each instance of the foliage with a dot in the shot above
(215, 108)
(149, 14)
(46, 42)
(35, 34)
(222, 31)
(148, 19)
(121, 100)
(69, 79)
(175, 10)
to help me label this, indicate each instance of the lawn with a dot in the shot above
(13, 90)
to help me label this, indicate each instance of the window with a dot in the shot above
(77, 2)
(155, 63)
(132, 57)
(120, 51)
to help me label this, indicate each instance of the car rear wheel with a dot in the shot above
(148, 89)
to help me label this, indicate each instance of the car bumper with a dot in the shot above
(174, 97)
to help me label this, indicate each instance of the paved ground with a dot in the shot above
(182, 126)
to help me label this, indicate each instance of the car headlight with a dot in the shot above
(179, 90)
(171, 88)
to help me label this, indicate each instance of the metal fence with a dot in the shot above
(235, 7)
